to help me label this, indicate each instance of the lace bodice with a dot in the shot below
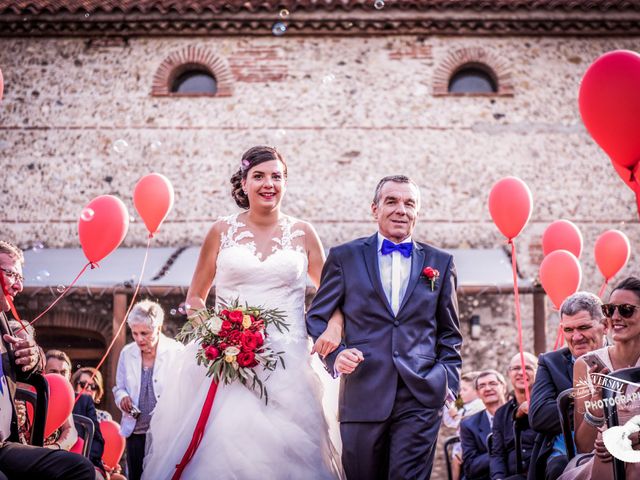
(277, 281)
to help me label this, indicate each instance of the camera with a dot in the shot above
(135, 412)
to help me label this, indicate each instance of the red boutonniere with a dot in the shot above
(432, 275)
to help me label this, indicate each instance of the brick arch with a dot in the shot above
(79, 322)
(478, 57)
(187, 58)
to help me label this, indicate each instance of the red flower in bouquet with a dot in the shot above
(211, 352)
(224, 313)
(236, 316)
(432, 275)
(225, 328)
(249, 341)
(259, 338)
(235, 337)
(247, 359)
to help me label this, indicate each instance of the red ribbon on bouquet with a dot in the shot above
(198, 432)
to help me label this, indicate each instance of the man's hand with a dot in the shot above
(328, 341)
(126, 404)
(523, 410)
(26, 351)
(348, 360)
(601, 451)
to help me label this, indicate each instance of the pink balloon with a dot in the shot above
(609, 101)
(60, 403)
(114, 443)
(562, 235)
(560, 275)
(102, 226)
(612, 252)
(510, 203)
(153, 198)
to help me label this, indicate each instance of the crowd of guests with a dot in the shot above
(599, 339)
(507, 429)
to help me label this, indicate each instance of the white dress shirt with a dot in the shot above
(395, 270)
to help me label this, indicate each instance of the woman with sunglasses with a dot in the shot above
(623, 317)
(82, 382)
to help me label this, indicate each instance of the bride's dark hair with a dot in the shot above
(252, 157)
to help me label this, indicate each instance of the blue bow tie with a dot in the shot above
(404, 248)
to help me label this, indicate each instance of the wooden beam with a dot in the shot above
(120, 301)
(539, 321)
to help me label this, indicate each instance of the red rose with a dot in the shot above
(257, 324)
(235, 337)
(430, 273)
(247, 359)
(259, 338)
(223, 346)
(236, 316)
(211, 352)
(249, 341)
(224, 313)
(225, 328)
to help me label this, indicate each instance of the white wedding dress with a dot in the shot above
(245, 439)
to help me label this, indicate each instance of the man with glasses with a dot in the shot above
(512, 416)
(474, 430)
(584, 329)
(21, 357)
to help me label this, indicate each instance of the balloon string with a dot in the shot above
(559, 340)
(122, 322)
(514, 269)
(602, 289)
(7, 296)
(89, 264)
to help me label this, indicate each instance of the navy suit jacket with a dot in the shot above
(421, 343)
(554, 375)
(474, 431)
(503, 445)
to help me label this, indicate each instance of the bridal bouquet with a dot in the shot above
(234, 341)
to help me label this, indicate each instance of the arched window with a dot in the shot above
(472, 71)
(193, 81)
(193, 71)
(472, 78)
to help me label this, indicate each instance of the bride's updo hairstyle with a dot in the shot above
(252, 157)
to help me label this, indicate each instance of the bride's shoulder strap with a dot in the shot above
(230, 236)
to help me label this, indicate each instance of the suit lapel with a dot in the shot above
(370, 253)
(568, 364)
(417, 260)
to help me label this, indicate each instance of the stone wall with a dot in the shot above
(344, 111)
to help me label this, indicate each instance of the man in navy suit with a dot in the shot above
(400, 356)
(474, 430)
(584, 329)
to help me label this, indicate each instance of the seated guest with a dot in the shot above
(474, 430)
(81, 381)
(21, 357)
(59, 362)
(452, 417)
(143, 371)
(65, 436)
(584, 329)
(623, 318)
(514, 415)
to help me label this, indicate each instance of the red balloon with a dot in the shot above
(113, 443)
(510, 203)
(153, 198)
(560, 275)
(562, 235)
(1, 85)
(612, 252)
(102, 226)
(610, 105)
(60, 404)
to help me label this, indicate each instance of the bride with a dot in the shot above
(262, 257)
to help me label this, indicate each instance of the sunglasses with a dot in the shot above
(626, 310)
(13, 276)
(89, 386)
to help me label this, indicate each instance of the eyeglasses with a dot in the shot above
(89, 386)
(626, 310)
(13, 276)
(482, 386)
